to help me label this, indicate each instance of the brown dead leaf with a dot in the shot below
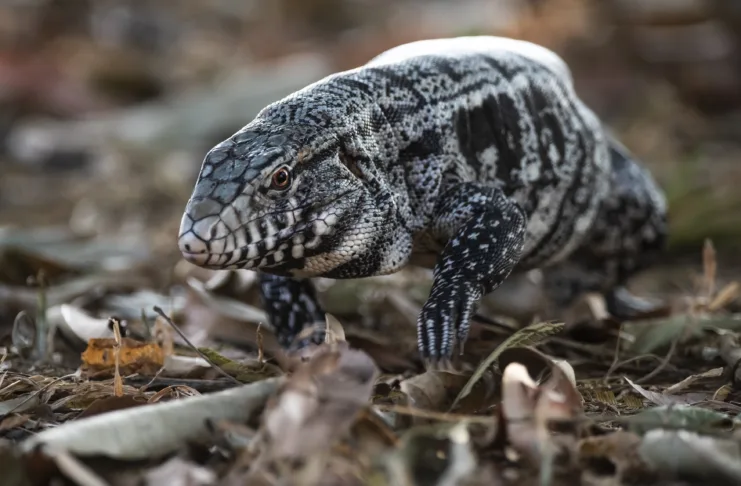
(109, 404)
(319, 402)
(662, 399)
(135, 357)
(436, 390)
(619, 448)
(725, 296)
(13, 421)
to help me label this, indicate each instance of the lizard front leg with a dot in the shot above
(483, 232)
(291, 306)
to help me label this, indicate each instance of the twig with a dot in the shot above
(117, 382)
(187, 341)
(614, 363)
(663, 363)
(260, 352)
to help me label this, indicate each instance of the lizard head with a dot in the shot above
(280, 199)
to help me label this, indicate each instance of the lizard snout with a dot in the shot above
(202, 234)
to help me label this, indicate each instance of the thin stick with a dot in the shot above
(447, 417)
(177, 330)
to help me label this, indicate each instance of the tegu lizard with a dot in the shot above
(473, 156)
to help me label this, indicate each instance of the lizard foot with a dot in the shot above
(623, 305)
(444, 320)
(292, 308)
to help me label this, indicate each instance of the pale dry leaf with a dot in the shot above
(727, 294)
(154, 430)
(334, 330)
(662, 399)
(176, 365)
(179, 472)
(688, 454)
(675, 417)
(20, 404)
(677, 387)
(518, 408)
(77, 324)
(528, 409)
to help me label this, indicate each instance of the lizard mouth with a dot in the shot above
(214, 261)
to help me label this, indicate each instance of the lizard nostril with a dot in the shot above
(187, 247)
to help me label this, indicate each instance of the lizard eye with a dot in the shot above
(281, 179)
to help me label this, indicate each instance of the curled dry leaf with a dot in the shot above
(434, 390)
(528, 407)
(677, 387)
(319, 402)
(135, 357)
(662, 399)
(77, 325)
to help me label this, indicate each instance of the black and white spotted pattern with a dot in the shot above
(471, 155)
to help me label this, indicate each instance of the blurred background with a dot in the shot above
(107, 107)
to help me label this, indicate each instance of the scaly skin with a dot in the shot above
(473, 156)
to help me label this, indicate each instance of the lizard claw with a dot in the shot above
(445, 319)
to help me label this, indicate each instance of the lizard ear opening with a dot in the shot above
(351, 165)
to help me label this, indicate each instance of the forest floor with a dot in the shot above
(121, 364)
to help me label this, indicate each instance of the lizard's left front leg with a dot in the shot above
(291, 306)
(484, 234)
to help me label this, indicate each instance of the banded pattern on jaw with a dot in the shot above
(223, 241)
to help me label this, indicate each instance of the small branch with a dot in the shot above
(182, 335)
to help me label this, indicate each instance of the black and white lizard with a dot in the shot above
(471, 155)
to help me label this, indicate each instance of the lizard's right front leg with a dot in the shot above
(484, 235)
(291, 306)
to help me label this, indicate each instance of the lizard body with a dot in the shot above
(473, 156)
